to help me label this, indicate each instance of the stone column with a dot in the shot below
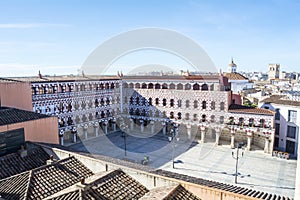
(164, 127)
(85, 131)
(232, 132)
(249, 140)
(218, 133)
(152, 126)
(96, 129)
(114, 124)
(61, 137)
(267, 144)
(142, 125)
(74, 134)
(105, 126)
(188, 129)
(202, 130)
(131, 124)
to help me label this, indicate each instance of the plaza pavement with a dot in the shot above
(256, 169)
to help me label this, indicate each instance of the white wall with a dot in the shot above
(284, 111)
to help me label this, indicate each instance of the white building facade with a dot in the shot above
(287, 120)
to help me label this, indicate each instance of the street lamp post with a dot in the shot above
(237, 157)
(123, 129)
(172, 138)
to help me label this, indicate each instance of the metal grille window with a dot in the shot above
(277, 129)
(291, 132)
(277, 115)
(292, 116)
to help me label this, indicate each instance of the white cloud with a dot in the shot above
(31, 25)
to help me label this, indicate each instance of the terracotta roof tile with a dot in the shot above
(109, 186)
(234, 108)
(13, 115)
(235, 76)
(180, 193)
(44, 181)
(220, 186)
(277, 99)
(170, 193)
(12, 164)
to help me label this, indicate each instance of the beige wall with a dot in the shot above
(40, 130)
(16, 95)
(148, 179)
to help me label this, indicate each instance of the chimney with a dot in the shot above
(82, 185)
(51, 160)
(22, 152)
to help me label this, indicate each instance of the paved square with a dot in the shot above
(256, 170)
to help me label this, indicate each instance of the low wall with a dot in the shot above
(150, 180)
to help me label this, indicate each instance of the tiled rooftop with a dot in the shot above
(221, 186)
(278, 99)
(13, 115)
(235, 76)
(174, 77)
(35, 79)
(44, 181)
(244, 109)
(13, 164)
(170, 193)
(180, 193)
(109, 185)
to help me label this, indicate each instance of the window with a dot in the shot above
(157, 101)
(277, 115)
(187, 116)
(204, 87)
(203, 118)
(187, 103)
(203, 105)
(277, 129)
(292, 116)
(212, 119)
(195, 117)
(222, 106)
(172, 86)
(251, 122)
(196, 86)
(179, 103)
(213, 105)
(179, 115)
(222, 120)
(150, 86)
(262, 123)
(290, 147)
(195, 104)
(179, 86)
(172, 102)
(291, 132)
(164, 102)
(187, 86)
(150, 101)
(164, 86)
(241, 121)
(276, 142)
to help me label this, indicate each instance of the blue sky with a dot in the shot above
(57, 36)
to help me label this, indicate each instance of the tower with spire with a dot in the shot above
(232, 67)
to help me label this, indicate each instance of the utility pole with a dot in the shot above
(237, 157)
